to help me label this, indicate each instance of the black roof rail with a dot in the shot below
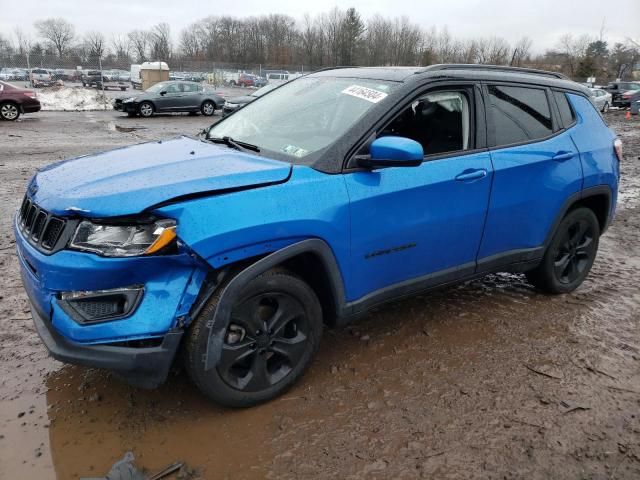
(498, 68)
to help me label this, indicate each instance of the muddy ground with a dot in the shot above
(489, 379)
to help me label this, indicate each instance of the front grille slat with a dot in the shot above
(52, 233)
(39, 226)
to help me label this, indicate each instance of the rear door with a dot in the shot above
(423, 225)
(192, 96)
(536, 169)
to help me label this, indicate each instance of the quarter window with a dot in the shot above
(519, 114)
(566, 113)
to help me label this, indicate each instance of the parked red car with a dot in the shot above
(15, 100)
(246, 80)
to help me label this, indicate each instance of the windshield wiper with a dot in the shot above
(230, 142)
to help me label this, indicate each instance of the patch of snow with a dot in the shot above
(73, 99)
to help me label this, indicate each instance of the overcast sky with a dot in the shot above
(542, 20)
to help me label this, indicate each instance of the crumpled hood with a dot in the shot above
(131, 179)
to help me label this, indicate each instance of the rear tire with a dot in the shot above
(145, 109)
(9, 111)
(570, 255)
(272, 336)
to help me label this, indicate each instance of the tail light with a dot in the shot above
(30, 94)
(617, 147)
(626, 97)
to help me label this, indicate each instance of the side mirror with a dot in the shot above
(163, 92)
(392, 152)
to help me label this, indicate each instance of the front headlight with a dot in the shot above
(230, 105)
(123, 240)
(127, 100)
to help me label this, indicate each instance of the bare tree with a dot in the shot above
(139, 41)
(161, 41)
(58, 32)
(23, 41)
(95, 46)
(121, 47)
(521, 51)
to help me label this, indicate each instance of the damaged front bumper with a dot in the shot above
(145, 367)
(138, 343)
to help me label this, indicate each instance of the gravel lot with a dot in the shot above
(489, 379)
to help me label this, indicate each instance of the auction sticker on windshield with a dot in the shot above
(369, 94)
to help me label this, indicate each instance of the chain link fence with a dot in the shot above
(48, 70)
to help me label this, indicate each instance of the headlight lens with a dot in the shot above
(230, 105)
(123, 240)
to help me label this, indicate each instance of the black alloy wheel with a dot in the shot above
(570, 254)
(574, 252)
(265, 341)
(273, 332)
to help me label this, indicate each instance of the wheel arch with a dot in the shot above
(597, 198)
(598, 202)
(312, 259)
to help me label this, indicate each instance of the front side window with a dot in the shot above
(518, 114)
(439, 121)
(303, 117)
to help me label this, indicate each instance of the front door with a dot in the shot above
(172, 99)
(419, 225)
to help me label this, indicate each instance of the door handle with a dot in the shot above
(562, 156)
(471, 175)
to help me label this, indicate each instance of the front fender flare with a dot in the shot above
(217, 326)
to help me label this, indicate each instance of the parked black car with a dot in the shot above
(617, 91)
(94, 78)
(232, 104)
(171, 96)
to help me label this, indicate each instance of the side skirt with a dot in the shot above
(513, 261)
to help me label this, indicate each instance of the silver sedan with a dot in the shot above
(601, 99)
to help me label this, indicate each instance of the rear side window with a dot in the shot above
(519, 114)
(566, 112)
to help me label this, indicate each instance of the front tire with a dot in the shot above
(273, 333)
(145, 109)
(9, 111)
(605, 107)
(570, 255)
(208, 108)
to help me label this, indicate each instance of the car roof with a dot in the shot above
(456, 71)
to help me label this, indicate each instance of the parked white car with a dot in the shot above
(601, 99)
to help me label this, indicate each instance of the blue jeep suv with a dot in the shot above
(327, 196)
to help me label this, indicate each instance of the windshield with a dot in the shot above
(304, 116)
(263, 90)
(157, 87)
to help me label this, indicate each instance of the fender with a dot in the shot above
(217, 326)
(576, 197)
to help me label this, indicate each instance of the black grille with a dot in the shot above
(52, 233)
(97, 309)
(39, 226)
